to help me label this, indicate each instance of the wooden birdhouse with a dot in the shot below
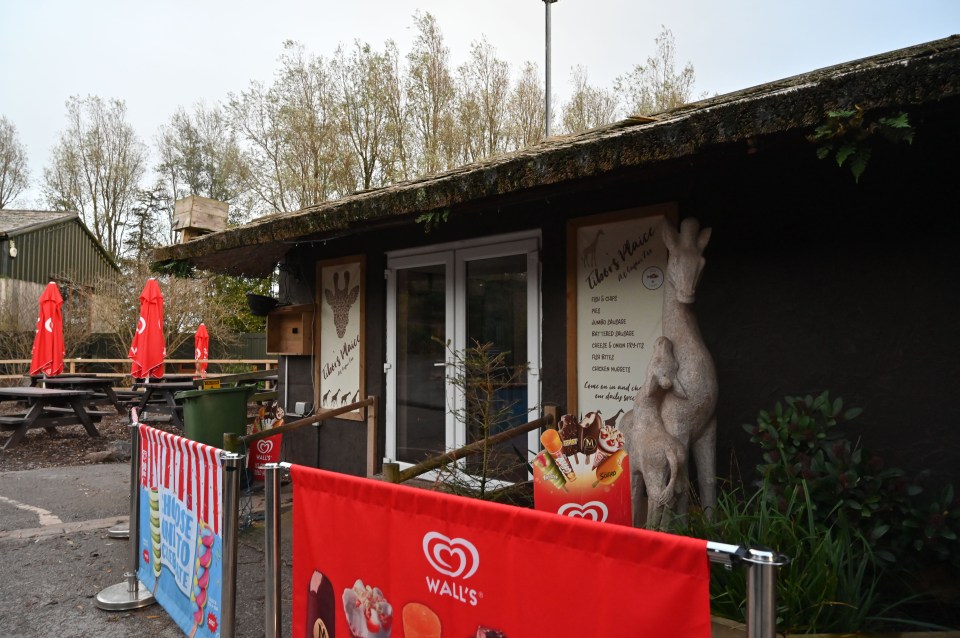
(194, 216)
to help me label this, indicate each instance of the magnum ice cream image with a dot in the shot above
(550, 439)
(486, 632)
(321, 607)
(369, 615)
(590, 433)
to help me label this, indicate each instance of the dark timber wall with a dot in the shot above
(813, 282)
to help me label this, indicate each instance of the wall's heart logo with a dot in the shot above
(264, 446)
(455, 557)
(141, 325)
(594, 510)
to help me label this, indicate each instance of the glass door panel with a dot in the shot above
(421, 395)
(496, 314)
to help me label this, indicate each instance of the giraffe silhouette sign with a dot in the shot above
(341, 302)
(616, 265)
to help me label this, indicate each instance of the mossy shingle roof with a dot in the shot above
(916, 75)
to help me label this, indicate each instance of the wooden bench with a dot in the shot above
(96, 415)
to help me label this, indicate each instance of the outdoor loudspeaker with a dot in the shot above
(301, 407)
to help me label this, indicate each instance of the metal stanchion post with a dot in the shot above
(762, 564)
(129, 594)
(272, 534)
(121, 530)
(232, 464)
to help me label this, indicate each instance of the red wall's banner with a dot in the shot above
(181, 483)
(375, 560)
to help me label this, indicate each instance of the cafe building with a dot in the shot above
(817, 277)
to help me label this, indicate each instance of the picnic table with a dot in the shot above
(102, 387)
(38, 379)
(47, 408)
(158, 395)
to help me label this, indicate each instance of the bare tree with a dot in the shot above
(186, 303)
(397, 159)
(430, 93)
(482, 103)
(96, 167)
(589, 106)
(361, 79)
(656, 85)
(200, 155)
(14, 176)
(525, 108)
(293, 146)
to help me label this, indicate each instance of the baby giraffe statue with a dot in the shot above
(658, 459)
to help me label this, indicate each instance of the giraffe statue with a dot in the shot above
(689, 412)
(657, 460)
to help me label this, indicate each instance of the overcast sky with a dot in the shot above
(159, 54)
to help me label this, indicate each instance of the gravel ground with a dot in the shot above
(71, 445)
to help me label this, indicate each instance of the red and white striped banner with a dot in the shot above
(187, 468)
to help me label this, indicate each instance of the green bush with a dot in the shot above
(831, 582)
(857, 530)
(801, 441)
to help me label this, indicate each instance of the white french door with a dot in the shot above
(445, 300)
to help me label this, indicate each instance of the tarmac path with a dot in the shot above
(55, 557)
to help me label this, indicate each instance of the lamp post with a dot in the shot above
(547, 4)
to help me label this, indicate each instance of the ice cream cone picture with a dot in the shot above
(154, 498)
(201, 574)
(368, 613)
(611, 440)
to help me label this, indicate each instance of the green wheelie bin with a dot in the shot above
(209, 414)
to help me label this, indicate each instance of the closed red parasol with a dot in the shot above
(48, 342)
(148, 349)
(201, 342)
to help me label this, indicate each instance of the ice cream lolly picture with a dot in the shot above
(369, 615)
(321, 607)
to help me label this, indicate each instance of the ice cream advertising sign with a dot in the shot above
(376, 560)
(180, 520)
(583, 471)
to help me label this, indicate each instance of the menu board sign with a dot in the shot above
(617, 267)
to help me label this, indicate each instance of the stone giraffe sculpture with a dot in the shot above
(689, 412)
(659, 460)
(340, 300)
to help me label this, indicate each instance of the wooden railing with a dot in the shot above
(120, 368)
(235, 443)
(392, 472)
